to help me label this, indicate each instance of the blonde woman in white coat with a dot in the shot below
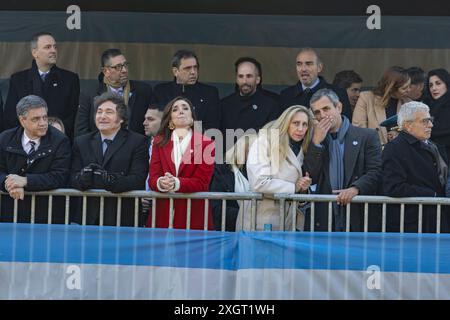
(274, 165)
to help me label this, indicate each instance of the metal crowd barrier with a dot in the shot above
(227, 196)
(366, 200)
(137, 195)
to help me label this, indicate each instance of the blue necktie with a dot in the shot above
(31, 152)
(106, 143)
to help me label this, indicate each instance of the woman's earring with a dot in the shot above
(171, 126)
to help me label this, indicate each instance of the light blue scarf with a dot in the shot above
(336, 168)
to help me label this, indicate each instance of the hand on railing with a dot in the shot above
(303, 183)
(345, 196)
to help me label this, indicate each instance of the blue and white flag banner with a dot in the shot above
(76, 262)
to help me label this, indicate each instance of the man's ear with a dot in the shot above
(34, 52)
(320, 67)
(258, 80)
(339, 107)
(175, 71)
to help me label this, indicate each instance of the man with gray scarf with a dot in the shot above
(342, 159)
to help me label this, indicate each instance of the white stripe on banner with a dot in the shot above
(87, 281)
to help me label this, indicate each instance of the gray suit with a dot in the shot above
(362, 169)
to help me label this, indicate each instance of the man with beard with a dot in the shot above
(309, 66)
(58, 87)
(114, 78)
(249, 107)
(204, 98)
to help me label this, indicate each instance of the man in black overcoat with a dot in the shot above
(59, 88)
(112, 158)
(137, 95)
(413, 167)
(34, 157)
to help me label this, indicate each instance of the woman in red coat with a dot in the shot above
(182, 161)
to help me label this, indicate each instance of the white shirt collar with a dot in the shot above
(311, 86)
(42, 72)
(26, 142)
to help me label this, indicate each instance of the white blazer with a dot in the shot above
(267, 178)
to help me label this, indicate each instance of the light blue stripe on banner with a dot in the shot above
(427, 253)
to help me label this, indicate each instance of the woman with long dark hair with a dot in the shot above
(439, 102)
(182, 161)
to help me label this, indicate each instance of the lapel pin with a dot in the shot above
(201, 100)
(55, 84)
(355, 143)
(255, 107)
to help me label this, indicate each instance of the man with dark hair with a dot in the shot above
(416, 88)
(342, 159)
(205, 98)
(114, 78)
(309, 66)
(249, 107)
(112, 158)
(58, 87)
(34, 157)
(350, 81)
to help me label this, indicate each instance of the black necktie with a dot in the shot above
(32, 151)
(333, 135)
(106, 142)
(43, 76)
(307, 91)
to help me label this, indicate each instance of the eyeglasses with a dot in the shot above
(119, 67)
(425, 121)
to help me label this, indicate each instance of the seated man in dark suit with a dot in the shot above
(204, 98)
(58, 87)
(114, 78)
(34, 157)
(309, 66)
(112, 158)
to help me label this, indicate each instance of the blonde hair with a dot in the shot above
(281, 146)
(236, 156)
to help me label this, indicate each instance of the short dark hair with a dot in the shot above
(183, 54)
(35, 37)
(108, 54)
(251, 60)
(417, 75)
(30, 102)
(121, 108)
(344, 79)
(156, 106)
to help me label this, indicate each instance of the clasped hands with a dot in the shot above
(167, 182)
(15, 186)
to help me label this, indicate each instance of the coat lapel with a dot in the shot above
(351, 153)
(167, 152)
(295, 161)
(191, 154)
(96, 146)
(117, 143)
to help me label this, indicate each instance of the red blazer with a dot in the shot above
(195, 173)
